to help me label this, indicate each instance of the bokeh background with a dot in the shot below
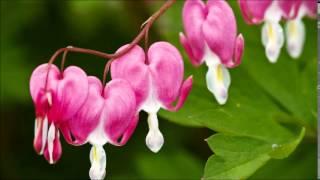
(31, 31)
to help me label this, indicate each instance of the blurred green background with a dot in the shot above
(31, 31)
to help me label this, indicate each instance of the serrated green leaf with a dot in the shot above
(302, 164)
(232, 169)
(283, 151)
(238, 157)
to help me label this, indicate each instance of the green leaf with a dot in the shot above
(238, 157)
(302, 164)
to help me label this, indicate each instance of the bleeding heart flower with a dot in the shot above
(157, 80)
(57, 97)
(107, 115)
(211, 37)
(269, 12)
(295, 29)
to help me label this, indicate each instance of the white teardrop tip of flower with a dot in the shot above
(272, 39)
(98, 161)
(51, 137)
(295, 33)
(218, 82)
(154, 140)
(44, 133)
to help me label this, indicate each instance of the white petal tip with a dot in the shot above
(272, 39)
(50, 141)
(272, 55)
(154, 140)
(295, 34)
(94, 174)
(294, 55)
(294, 50)
(218, 82)
(222, 98)
(98, 161)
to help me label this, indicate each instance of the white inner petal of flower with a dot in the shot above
(273, 13)
(44, 133)
(51, 137)
(295, 33)
(36, 128)
(151, 104)
(97, 136)
(272, 33)
(154, 138)
(98, 161)
(272, 39)
(49, 97)
(218, 77)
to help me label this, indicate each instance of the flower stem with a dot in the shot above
(112, 57)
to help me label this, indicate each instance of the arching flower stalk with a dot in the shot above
(211, 37)
(295, 29)
(157, 79)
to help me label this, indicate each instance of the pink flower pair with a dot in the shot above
(157, 79)
(84, 111)
(271, 12)
(211, 37)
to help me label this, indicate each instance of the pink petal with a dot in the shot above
(290, 8)
(238, 52)
(253, 11)
(132, 68)
(71, 93)
(57, 149)
(220, 29)
(311, 6)
(87, 118)
(37, 86)
(184, 92)
(119, 109)
(129, 131)
(187, 46)
(193, 15)
(166, 66)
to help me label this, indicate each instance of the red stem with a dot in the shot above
(143, 33)
(112, 57)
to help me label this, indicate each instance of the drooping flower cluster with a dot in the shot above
(83, 110)
(270, 12)
(211, 37)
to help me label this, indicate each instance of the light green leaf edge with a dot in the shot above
(238, 157)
